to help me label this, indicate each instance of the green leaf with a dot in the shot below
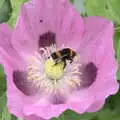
(1, 3)
(5, 114)
(70, 115)
(105, 114)
(2, 103)
(13, 117)
(79, 4)
(104, 8)
(114, 10)
(2, 81)
(1, 71)
(118, 74)
(5, 10)
(72, 1)
(95, 7)
(20, 119)
(113, 103)
(117, 50)
(16, 5)
(116, 43)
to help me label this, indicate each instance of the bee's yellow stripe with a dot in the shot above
(71, 52)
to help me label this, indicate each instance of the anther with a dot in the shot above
(72, 83)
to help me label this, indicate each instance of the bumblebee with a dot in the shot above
(63, 55)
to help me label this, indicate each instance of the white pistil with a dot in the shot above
(74, 83)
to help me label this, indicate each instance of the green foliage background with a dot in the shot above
(9, 10)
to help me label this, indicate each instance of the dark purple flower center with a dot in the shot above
(21, 82)
(89, 74)
(47, 39)
(57, 99)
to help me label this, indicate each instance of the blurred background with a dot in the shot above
(110, 9)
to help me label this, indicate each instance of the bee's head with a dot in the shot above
(54, 56)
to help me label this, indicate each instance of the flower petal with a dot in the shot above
(96, 40)
(24, 85)
(40, 17)
(24, 37)
(80, 101)
(33, 117)
(9, 54)
(96, 106)
(16, 100)
(5, 35)
(70, 27)
(45, 111)
(7, 51)
(21, 104)
(97, 47)
(8, 58)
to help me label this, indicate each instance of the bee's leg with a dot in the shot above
(71, 60)
(64, 64)
(64, 61)
(56, 62)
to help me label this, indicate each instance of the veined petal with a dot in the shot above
(16, 99)
(13, 94)
(80, 101)
(12, 62)
(33, 117)
(45, 111)
(96, 40)
(5, 35)
(24, 39)
(7, 51)
(37, 18)
(97, 47)
(97, 105)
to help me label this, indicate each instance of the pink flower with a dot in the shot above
(43, 27)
